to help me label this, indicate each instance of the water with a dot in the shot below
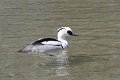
(93, 55)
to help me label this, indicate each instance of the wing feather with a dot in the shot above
(43, 45)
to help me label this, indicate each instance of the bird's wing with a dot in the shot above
(54, 43)
(43, 44)
(45, 41)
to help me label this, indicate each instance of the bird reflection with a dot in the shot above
(62, 64)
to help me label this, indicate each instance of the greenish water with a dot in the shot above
(93, 55)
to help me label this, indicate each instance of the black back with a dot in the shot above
(43, 40)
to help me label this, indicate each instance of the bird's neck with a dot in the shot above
(63, 40)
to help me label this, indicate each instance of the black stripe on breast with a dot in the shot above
(43, 40)
(59, 45)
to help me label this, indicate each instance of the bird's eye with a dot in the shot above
(69, 32)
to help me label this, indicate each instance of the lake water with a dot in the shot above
(93, 55)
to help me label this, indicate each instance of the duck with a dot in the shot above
(47, 44)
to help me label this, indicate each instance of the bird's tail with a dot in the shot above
(23, 51)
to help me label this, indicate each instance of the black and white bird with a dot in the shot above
(50, 44)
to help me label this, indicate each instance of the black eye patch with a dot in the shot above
(69, 32)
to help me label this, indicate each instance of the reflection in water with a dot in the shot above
(62, 71)
(62, 64)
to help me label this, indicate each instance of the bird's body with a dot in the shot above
(50, 44)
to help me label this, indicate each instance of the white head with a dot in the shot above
(63, 32)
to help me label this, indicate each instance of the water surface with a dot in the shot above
(93, 55)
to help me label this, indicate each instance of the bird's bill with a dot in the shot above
(74, 34)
